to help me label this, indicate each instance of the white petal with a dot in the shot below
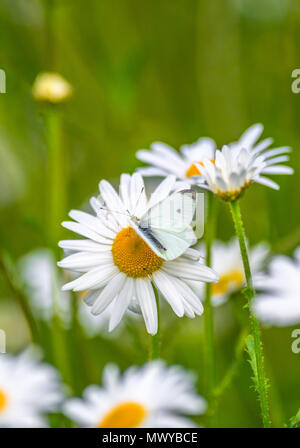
(114, 203)
(85, 231)
(164, 283)
(159, 161)
(189, 296)
(265, 181)
(124, 191)
(138, 195)
(146, 299)
(251, 135)
(91, 297)
(84, 245)
(121, 303)
(150, 171)
(96, 278)
(277, 169)
(85, 260)
(92, 223)
(108, 293)
(191, 271)
(162, 191)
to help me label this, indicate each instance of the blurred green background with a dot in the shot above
(145, 71)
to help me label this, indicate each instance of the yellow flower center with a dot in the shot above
(125, 415)
(133, 256)
(234, 277)
(193, 170)
(3, 400)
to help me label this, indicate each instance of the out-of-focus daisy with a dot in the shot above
(226, 259)
(28, 390)
(151, 396)
(119, 267)
(39, 272)
(51, 87)
(278, 303)
(164, 160)
(238, 165)
(226, 172)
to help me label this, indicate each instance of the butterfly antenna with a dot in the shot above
(138, 199)
(115, 211)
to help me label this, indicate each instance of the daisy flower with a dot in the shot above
(43, 285)
(152, 396)
(278, 303)
(164, 160)
(227, 262)
(119, 267)
(28, 389)
(238, 165)
(226, 172)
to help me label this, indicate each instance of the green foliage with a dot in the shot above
(142, 72)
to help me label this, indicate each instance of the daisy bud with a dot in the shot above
(52, 88)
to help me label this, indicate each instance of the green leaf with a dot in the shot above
(252, 356)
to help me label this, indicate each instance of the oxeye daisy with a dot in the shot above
(28, 390)
(240, 164)
(278, 302)
(119, 267)
(226, 261)
(165, 160)
(150, 396)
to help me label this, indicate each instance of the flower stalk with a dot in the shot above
(56, 172)
(208, 308)
(262, 383)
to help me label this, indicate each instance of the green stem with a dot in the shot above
(261, 378)
(56, 173)
(208, 308)
(155, 339)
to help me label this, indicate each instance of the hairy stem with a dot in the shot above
(261, 378)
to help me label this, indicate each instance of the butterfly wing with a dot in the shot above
(166, 226)
(175, 213)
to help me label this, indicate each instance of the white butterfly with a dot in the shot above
(166, 227)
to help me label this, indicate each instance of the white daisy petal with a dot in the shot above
(138, 195)
(84, 245)
(278, 169)
(164, 283)
(121, 303)
(191, 271)
(114, 203)
(108, 293)
(86, 232)
(84, 260)
(147, 303)
(268, 182)
(162, 191)
(151, 171)
(92, 223)
(95, 278)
